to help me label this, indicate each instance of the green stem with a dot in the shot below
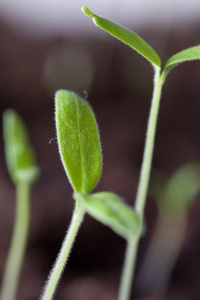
(127, 273)
(61, 260)
(18, 243)
(132, 244)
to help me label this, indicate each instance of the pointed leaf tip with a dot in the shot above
(126, 36)
(87, 12)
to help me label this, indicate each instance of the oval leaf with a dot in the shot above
(78, 141)
(109, 209)
(19, 153)
(189, 54)
(128, 37)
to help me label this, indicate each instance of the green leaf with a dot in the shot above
(189, 54)
(20, 156)
(183, 186)
(78, 141)
(176, 192)
(128, 37)
(109, 209)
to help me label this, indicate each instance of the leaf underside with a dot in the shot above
(109, 209)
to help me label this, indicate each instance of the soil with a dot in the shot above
(119, 87)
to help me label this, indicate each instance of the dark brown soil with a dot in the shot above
(119, 86)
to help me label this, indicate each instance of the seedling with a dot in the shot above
(80, 152)
(23, 172)
(138, 44)
(174, 196)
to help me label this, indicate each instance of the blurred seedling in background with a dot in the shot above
(134, 41)
(174, 196)
(80, 152)
(24, 172)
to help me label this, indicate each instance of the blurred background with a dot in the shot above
(48, 45)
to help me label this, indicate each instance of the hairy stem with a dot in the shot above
(61, 260)
(18, 243)
(132, 245)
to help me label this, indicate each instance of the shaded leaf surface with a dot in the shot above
(109, 209)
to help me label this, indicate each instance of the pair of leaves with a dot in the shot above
(20, 155)
(138, 44)
(178, 191)
(80, 152)
(109, 209)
